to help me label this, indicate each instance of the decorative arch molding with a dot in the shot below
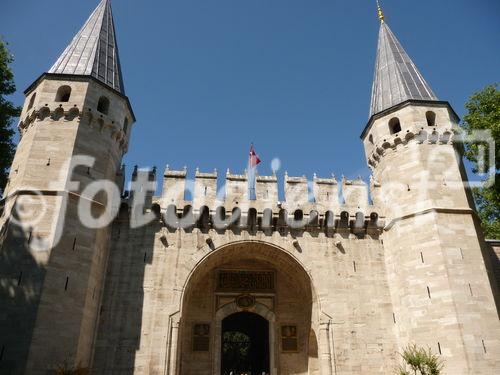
(232, 308)
(207, 259)
(207, 254)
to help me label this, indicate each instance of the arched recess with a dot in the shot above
(293, 302)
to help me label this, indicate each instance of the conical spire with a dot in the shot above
(94, 51)
(396, 79)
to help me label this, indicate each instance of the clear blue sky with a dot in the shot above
(206, 78)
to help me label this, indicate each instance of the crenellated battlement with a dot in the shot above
(299, 192)
(320, 205)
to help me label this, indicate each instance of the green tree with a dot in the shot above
(483, 113)
(8, 112)
(419, 361)
(236, 348)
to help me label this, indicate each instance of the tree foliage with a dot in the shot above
(483, 113)
(8, 112)
(236, 350)
(419, 361)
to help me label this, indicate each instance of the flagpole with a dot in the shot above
(251, 174)
(253, 161)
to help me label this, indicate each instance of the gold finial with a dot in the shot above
(380, 12)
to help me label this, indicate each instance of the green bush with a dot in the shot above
(419, 361)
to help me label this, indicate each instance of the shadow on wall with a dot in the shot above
(21, 280)
(120, 325)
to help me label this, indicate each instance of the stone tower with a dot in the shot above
(53, 263)
(435, 254)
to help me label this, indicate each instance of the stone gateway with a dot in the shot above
(333, 281)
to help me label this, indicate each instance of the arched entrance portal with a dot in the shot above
(262, 293)
(245, 344)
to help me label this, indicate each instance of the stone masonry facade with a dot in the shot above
(345, 274)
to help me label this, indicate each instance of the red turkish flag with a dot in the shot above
(254, 159)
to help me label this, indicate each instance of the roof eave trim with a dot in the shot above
(79, 77)
(406, 103)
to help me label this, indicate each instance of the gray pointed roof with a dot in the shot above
(94, 51)
(396, 79)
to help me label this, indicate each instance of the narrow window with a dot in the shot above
(329, 220)
(252, 219)
(298, 215)
(354, 265)
(145, 255)
(313, 219)
(201, 338)
(289, 341)
(439, 348)
(431, 118)
(422, 257)
(484, 346)
(429, 292)
(125, 126)
(103, 105)
(470, 290)
(394, 125)
(63, 94)
(394, 317)
(66, 285)
(267, 219)
(370, 139)
(220, 217)
(32, 101)
(74, 243)
(20, 278)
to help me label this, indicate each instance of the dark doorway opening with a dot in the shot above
(245, 344)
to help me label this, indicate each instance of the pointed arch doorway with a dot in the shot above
(245, 344)
(257, 278)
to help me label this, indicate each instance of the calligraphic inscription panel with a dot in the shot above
(245, 281)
